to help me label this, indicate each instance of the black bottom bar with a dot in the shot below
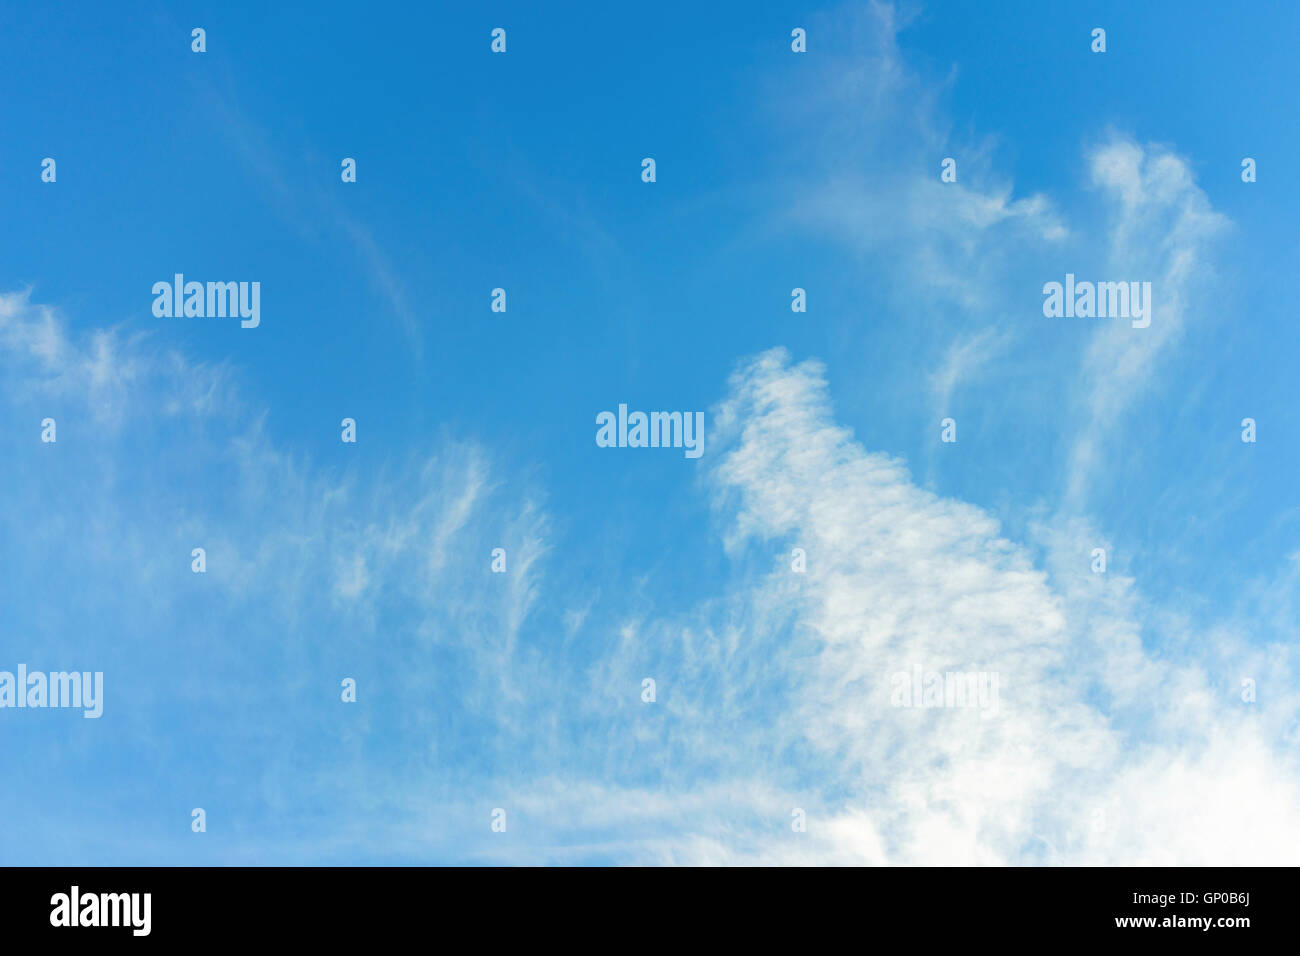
(1213, 906)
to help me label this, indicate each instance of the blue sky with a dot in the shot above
(1122, 736)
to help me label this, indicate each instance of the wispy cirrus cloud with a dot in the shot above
(1161, 229)
(378, 570)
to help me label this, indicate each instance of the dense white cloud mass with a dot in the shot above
(1100, 752)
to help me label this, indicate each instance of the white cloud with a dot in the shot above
(1160, 231)
(1103, 751)
(966, 356)
(379, 571)
(875, 137)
